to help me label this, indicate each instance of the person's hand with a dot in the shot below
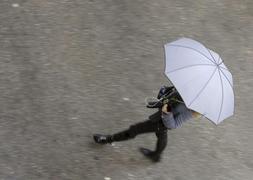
(165, 108)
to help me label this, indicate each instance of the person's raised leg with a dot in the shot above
(139, 128)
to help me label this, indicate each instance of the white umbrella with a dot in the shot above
(201, 78)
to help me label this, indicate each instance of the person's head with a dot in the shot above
(164, 90)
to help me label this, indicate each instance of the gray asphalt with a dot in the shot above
(72, 68)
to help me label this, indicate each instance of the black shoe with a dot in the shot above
(102, 139)
(150, 154)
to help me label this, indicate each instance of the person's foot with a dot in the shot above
(150, 154)
(102, 139)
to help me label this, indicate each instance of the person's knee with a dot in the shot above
(162, 134)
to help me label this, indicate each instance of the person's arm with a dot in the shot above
(174, 121)
(157, 103)
(168, 118)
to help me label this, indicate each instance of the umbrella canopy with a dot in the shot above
(201, 78)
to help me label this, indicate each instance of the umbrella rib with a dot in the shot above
(227, 79)
(218, 60)
(221, 63)
(189, 66)
(224, 68)
(193, 50)
(212, 56)
(222, 88)
(203, 87)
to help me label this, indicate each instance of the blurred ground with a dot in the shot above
(70, 68)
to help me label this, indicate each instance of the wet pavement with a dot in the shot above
(69, 69)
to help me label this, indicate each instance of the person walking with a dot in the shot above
(171, 114)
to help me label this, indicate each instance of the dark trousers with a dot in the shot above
(153, 124)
